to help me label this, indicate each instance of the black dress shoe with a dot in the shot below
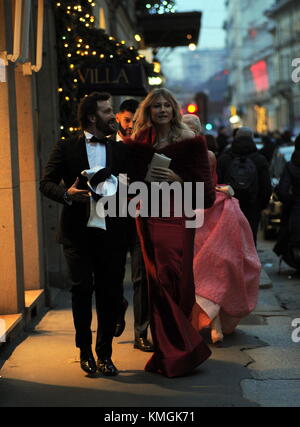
(87, 362)
(106, 367)
(120, 325)
(143, 344)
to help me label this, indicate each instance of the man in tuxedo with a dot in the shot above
(125, 118)
(95, 256)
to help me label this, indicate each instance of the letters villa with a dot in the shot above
(103, 75)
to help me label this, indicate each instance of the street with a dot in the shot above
(257, 366)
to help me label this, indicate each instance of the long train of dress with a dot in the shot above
(168, 252)
(226, 266)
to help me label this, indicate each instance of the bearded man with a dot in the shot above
(95, 256)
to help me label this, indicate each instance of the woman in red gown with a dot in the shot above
(166, 242)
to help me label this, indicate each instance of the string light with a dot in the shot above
(156, 6)
(78, 41)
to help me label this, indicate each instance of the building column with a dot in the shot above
(28, 182)
(11, 264)
(47, 136)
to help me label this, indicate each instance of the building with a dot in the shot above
(285, 28)
(263, 41)
(250, 64)
(200, 65)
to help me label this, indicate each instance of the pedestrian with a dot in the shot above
(222, 140)
(268, 148)
(247, 171)
(125, 118)
(193, 122)
(95, 256)
(288, 192)
(211, 143)
(167, 243)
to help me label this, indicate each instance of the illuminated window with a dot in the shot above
(102, 21)
(260, 76)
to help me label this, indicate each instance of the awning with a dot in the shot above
(170, 29)
(116, 78)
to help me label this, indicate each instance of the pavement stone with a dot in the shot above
(273, 393)
(275, 363)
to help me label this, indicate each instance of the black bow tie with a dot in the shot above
(99, 140)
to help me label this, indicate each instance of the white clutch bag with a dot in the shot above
(158, 160)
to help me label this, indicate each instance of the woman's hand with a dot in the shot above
(164, 174)
(227, 189)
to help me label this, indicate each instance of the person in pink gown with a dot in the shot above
(167, 244)
(226, 265)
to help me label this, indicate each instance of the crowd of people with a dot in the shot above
(184, 279)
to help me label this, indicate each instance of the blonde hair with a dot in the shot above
(143, 115)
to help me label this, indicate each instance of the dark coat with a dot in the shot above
(288, 192)
(245, 147)
(67, 161)
(189, 161)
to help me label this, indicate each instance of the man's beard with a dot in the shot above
(107, 128)
(125, 132)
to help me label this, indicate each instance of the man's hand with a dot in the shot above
(76, 195)
(164, 174)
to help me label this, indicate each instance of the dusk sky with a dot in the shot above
(212, 34)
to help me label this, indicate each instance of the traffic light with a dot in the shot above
(192, 108)
(209, 126)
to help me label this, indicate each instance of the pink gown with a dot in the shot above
(226, 265)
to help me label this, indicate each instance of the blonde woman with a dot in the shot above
(166, 242)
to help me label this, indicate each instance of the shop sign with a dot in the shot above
(116, 78)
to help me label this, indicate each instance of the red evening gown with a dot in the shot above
(167, 247)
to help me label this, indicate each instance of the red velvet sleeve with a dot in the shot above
(192, 165)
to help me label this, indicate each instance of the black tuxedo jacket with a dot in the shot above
(68, 159)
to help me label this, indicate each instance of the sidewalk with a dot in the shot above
(276, 367)
(44, 371)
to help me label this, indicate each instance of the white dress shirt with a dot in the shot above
(119, 138)
(96, 152)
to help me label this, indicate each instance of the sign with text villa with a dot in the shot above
(115, 78)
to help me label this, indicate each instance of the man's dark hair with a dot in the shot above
(129, 105)
(88, 106)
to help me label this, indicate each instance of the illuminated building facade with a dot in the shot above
(250, 63)
(285, 90)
